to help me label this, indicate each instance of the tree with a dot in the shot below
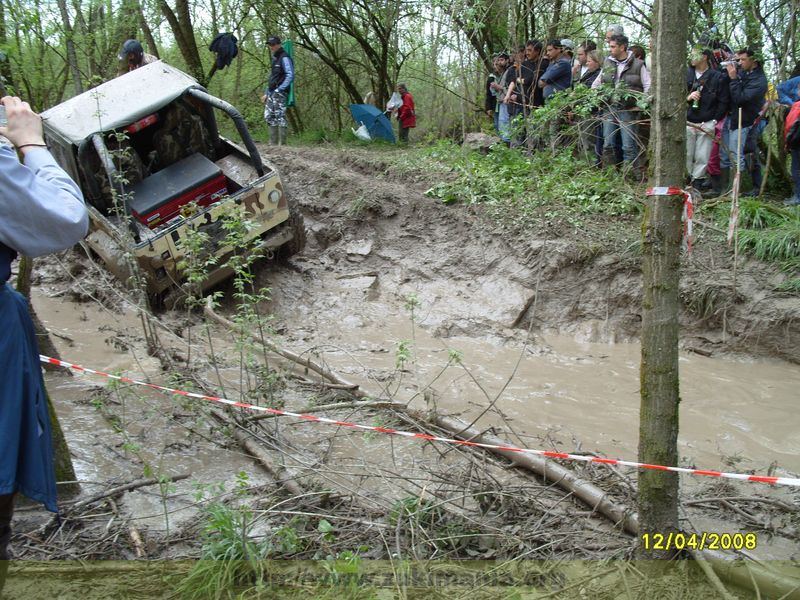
(661, 237)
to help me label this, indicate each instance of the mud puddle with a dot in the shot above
(151, 434)
(736, 413)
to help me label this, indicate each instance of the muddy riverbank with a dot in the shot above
(436, 306)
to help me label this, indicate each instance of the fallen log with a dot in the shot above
(277, 472)
(121, 488)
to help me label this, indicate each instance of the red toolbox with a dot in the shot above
(159, 198)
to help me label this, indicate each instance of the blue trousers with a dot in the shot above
(625, 123)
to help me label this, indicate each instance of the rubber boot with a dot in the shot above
(716, 185)
(273, 135)
(283, 133)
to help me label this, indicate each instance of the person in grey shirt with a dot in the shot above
(41, 211)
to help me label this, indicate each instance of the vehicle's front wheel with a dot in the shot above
(297, 226)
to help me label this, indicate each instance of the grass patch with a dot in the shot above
(768, 232)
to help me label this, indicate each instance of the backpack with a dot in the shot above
(791, 128)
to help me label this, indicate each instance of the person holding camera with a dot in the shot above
(41, 211)
(708, 100)
(748, 89)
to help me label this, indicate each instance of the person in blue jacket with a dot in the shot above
(41, 211)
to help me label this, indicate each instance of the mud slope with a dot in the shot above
(365, 220)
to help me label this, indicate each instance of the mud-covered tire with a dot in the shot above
(298, 228)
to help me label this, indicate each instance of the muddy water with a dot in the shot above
(158, 429)
(736, 413)
(557, 393)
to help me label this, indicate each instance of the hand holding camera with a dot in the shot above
(23, 127)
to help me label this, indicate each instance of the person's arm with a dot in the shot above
(41, 208)
(548, 74)
(288, 68)
(509, 92)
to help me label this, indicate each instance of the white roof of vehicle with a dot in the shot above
(118, 102)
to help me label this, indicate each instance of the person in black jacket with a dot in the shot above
(277, 92)
(708, 99)
(492, 89)
(748, 88)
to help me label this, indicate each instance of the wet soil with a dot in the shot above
(544, 328)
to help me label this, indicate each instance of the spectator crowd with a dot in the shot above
(728, 99)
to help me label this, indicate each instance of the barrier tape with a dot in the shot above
(422, 436)
(688, 210)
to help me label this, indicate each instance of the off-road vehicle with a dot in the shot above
(147, 153)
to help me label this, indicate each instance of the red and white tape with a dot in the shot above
(285, 413)
(688, 210)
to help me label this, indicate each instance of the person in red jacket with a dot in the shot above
(406, 114)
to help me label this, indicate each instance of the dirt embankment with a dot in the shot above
(363, 217)
(374, 235)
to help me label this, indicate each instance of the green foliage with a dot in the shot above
(414, 511)
(767, 232)
(403, 354)
(560, 184)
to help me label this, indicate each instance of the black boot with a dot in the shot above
(724, 181)
(716, 186)
(609, 158)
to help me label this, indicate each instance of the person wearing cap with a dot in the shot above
(707, 103)
(501, 88)
(277, 92)
(132, 56)
(612, 30)
(569, 48)
(494, 93)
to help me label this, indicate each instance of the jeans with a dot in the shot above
(796, 173)
(591, 139)
(624, 122)
(731, 145)
(699, 139)
(496, 118)
(503, 123)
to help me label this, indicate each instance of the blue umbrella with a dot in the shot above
(375, 121)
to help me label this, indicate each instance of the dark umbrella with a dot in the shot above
(375, 121)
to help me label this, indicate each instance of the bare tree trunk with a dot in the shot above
(148, 33)
(661, 237)
(72, 57)
(180, 21)
(552, 31)
(5, 66)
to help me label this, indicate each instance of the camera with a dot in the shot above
(3, 117)
(725, 63)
